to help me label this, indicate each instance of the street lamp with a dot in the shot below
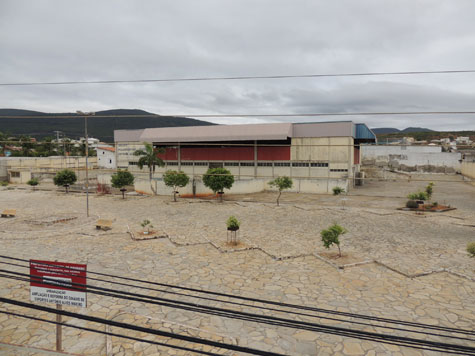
(86, 114)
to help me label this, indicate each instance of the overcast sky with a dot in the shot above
(113, 40)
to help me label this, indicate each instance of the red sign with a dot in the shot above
(52, 282)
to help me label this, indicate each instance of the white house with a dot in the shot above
(106, 157)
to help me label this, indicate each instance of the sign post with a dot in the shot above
(59, 330)
(60, 283)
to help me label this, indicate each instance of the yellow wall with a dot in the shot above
(468, 169)
(335, 150)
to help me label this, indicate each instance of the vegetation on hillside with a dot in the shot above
(99, 127)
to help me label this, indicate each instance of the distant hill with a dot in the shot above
(44, 124)
(385, 130)
(391, 130)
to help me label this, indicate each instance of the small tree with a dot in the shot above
(65, 178)
(33, 182)
(175, 179)
(233, 226)
(120, 179)
(281, 183)
(146, 224)
(218, 179)
(331, 236)
(429, 190)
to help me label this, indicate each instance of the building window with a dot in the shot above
(201, 163)
(15, 174)
(299, 164)
(231, 164)
(186, 163)
(281, 164)
(338, 170)
(110, 161)
(247, 164)
(318, 164)
(133, 163)
(264, 164)
(172, 163)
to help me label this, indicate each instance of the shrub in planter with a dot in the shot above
(412, 204)
(33, 182)
(232, 223)
(233, 226)
(418, 196)
(471, 249)
(3, 183)
(338, 190)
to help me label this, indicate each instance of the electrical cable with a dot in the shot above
(140, 328)
(402, 341)
(293, 306)
(76, 116)
(260, 307)
(295, 76)
(183, 348)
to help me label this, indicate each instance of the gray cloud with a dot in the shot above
(90, 40)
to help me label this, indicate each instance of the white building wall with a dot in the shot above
(106, 159)
(413, 158)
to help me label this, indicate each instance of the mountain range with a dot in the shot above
(39, 124)
(390, 130)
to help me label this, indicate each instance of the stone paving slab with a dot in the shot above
(188, 259)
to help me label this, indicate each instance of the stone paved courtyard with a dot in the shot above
(280, 258)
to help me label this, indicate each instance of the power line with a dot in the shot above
(251, 77)
(259, 307)
(270, 320)
(72, 116)
(294, 306)
(141, 329)
(183, 348)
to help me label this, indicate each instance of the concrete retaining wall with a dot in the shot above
(412, 158)
(243, 186)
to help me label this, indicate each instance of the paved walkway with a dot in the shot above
(403, 241)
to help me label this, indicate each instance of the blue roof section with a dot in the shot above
(363, 132)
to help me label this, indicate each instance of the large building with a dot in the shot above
(317, 155)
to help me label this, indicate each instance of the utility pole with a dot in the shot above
(57, 139)
(86, 114)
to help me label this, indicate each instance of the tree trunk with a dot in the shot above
(278, 197)
(123, 194)
(154, 191)
(339, 251)
(174, 196)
